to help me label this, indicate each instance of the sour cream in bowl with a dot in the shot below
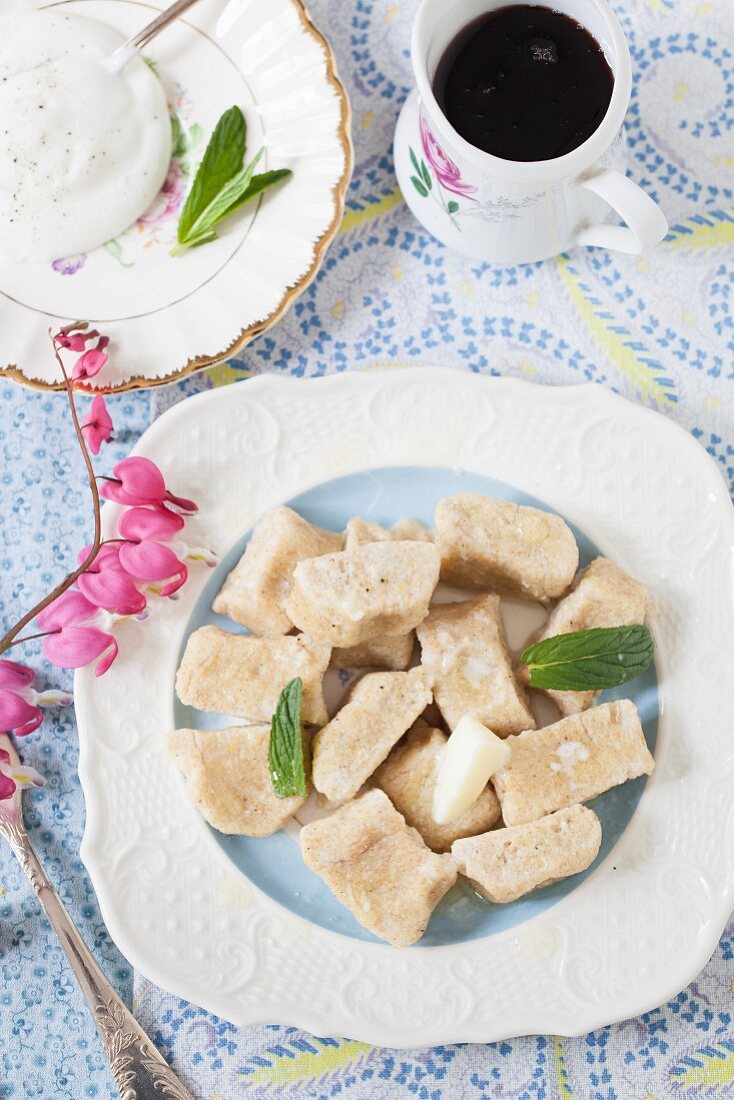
(83, 151)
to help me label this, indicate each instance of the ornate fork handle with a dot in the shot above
(140, 1072)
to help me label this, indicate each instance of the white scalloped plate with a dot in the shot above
(168, 316)
(638, 928)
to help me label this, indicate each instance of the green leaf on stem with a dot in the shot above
(222, 160)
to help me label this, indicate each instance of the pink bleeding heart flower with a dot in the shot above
(106, 584)
(97, 425)
(18, 713)
(91, 361)
(74, 337)
(16, 776)
(7, 783)
(138, 481)
(145, 553)
(77, 633)
(20, 703)
(15, 677)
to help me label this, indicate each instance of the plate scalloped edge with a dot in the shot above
(649, 917)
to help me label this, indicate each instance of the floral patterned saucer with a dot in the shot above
(166, 316)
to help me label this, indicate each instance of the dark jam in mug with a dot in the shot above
(524, 83)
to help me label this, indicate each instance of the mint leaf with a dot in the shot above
(222, 200)
(589, 660)
(222, 183)
(263, 182)
(285, 752)
(194, 242)
(222, 160)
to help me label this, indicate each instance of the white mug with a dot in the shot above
(510, 212)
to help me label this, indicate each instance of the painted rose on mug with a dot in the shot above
(435, 167)
(446, 171)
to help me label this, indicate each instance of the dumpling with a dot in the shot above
(256, 591)
(244, 676)
(359, 595)
(394, 652)
(504, 547)
(603, 595)
(228, 778)
(571, 761)
(464, 653)
(507, 863)
(378, 867)
(408, 778)
(359, 532)
(381, 707)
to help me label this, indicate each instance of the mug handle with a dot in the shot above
(646, 224)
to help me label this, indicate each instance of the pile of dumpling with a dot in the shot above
(359, 600)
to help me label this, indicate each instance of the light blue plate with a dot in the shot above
(274, 863)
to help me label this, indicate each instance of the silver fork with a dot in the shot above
(140, 1072)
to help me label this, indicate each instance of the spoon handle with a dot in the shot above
(152, 29)
(140, 1072)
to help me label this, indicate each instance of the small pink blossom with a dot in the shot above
(18, 714)
(20, 703)
(7, 783)
(145, 553)
(74, 337)
(15, 776)
(138, 481)
(91, 361)
(15, 677)
(106, 583)
(77, 633)
(97, 424)
(447, 172)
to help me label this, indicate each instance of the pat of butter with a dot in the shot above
(472, 754)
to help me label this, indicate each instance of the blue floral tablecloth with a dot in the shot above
(659, 329)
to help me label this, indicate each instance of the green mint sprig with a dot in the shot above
(285, 752)
(223, 182)
(589, 660)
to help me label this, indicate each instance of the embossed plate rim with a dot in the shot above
(557, 976)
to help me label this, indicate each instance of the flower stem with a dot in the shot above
(11, 638)
(31, 638)
(443, 205)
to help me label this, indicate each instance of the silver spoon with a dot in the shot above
(120, 57)
(140, 1072)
